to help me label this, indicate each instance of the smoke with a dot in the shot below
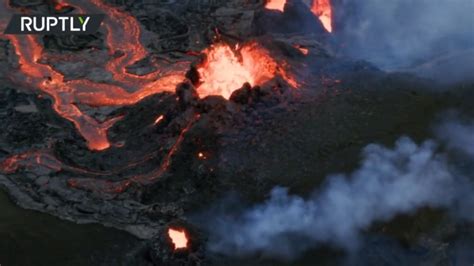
(388, 182)
(457, 134)
(462, 252)
(404, 34)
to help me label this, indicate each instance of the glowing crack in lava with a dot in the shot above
(226, 70)
(179, 238)
(323, 10)
(276, 5)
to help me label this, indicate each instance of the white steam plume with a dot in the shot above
(389, 182)
(403, 34)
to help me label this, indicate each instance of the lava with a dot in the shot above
(158, 119)
(166, 162)
(29, 159)
(320, 8)
(58, 5)
(276, 5)
(226, 70)
(127, 89)
(323, 10)
(179, 238)
(302, 49)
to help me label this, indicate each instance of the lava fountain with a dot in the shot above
(323, 10)
(179, 238)
(276, 5)
(225, 69)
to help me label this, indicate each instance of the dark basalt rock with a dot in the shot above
(247, 94)
(72, 42)
(26, 3)
(187, 95)
(262, 136)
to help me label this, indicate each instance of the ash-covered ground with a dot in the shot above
(175, 157)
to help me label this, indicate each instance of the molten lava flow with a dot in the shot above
(166, 162)
(323, 10)
(127, 88)
(276, 5)
(106, 186)
(179, 238)
(29, 159)
(226, 70)
(58, 5)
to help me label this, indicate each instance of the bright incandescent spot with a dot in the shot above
(276, 5)
(179, 238)
(323, 10)
(226, 69)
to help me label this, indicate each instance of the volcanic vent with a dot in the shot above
(138, 124)
(105, 143)
(224, 69)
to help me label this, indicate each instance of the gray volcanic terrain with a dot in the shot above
(354, 164)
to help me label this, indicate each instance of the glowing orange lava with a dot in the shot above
(276, 5)
(58, 5)
(302, 49)
(323, 10)
(201, 156)
(159, 119)
(127, 89)
(179, 238)
(226, 70)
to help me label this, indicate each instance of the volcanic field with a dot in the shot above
(149, 125)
